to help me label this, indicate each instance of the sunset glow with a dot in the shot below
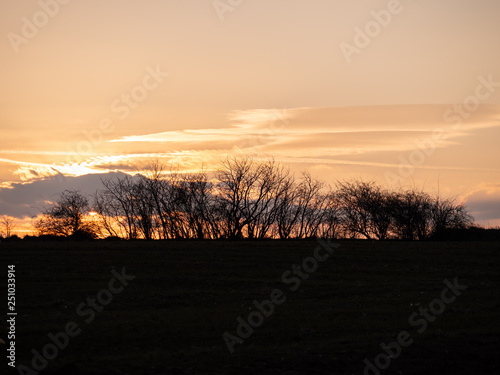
(108, 87)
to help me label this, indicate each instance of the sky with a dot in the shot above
(406, 93)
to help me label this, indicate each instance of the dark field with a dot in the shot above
(170, 319)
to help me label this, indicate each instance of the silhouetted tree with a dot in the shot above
(106, 218)
(262, 210)
(332, 223)
(249, 198)
(365, 209)
(118, 200)
(287, 211)
(241, 193)
(8, 225)
(412, 214)
(195, 199)
(446, 214)
(310, 205)
(66, 216)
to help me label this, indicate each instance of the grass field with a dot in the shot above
(171, 317)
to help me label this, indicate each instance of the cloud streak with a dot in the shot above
(345, 140)
(326, 132)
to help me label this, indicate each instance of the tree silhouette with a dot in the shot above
(66, 217)
(8, 226)
(249, 198)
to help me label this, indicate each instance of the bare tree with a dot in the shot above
(411, 213)
(238, 194)
(310, 205)
(66, 216)
(106, 219)
(250, 199)
(195, 198)
(143, 208)
(159, 192)
(447, 214)
(288, 212)
(331, 224)
(353, 197)
(8, 226)
(120, 203)
(263, 208)
(379, 209)
(366, 209)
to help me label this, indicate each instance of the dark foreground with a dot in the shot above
(171, 317)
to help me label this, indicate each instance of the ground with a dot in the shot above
(170, 319)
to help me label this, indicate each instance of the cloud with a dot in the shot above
(484, 203)
(26, 152)
(243, 124)
(369, 136)
(325, 131)
(23, 200)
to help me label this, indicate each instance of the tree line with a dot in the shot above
(247, 198)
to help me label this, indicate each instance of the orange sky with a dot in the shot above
(403, 92)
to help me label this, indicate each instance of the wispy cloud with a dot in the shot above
(327, 132)
(377, 165)
(345, 136)
(24, 152)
